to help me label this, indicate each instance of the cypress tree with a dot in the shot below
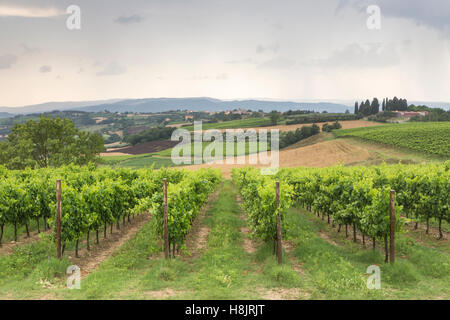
(375, 106)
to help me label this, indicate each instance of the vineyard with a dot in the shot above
(357, 196)
(227, 250)
(431, 138)
(94, 199)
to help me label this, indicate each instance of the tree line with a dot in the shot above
(153, 134)
(367, 108)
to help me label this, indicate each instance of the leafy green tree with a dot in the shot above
(274, 117)
(49, 143)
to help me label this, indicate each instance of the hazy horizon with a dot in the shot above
(234, 50)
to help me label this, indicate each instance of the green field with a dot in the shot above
(163, 158)
(430, 137)
(234, 124)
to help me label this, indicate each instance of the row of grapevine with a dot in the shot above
(429, 137)
(258, 194)
(92, 198)
(360, 195)
(184, 202)
(356, 196)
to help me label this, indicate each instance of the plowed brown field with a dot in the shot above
(345, 125)
(322, 154)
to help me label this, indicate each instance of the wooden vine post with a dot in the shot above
(58, 218)
(279, 248)
(392, 231)
(166, 223)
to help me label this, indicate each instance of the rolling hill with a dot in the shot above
(166, 104)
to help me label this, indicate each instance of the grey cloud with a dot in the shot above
(369, 55)
(112, 69)
(277, 26)
(30, 50)
(278, 63)
(7, 60)
(433, 13)
(272, 48)
(135, 18)
(45, 69)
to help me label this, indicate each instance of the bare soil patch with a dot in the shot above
(289, 248)
(8, 247)
(90, 260)
(178, 125)
(249, 245)
(282, 294)
(162, 294)
(327, 238)
(99, 119)
(197, 238)
(421, 236)
(330, 234)
(323, 154)
(136, 129)
(347, 124)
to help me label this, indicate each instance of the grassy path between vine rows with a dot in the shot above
(223, 269)
(319, 263)
(420, 272)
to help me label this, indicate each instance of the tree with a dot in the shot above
(375, 106)
(274, 117)
(366, 111)
(49, 142)
(356, 108)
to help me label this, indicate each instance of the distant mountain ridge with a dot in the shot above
(6, 115)
(51, 106)
(195, 104)
(166, 104)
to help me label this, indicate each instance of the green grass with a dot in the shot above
(163, 158)
(138, 270)
(31, 270)
(429, 137)
(420, 272)
(8, 231)
(137, 161)
(246, 151)
(224, 270)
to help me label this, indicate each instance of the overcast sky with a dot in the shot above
(229, 49)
